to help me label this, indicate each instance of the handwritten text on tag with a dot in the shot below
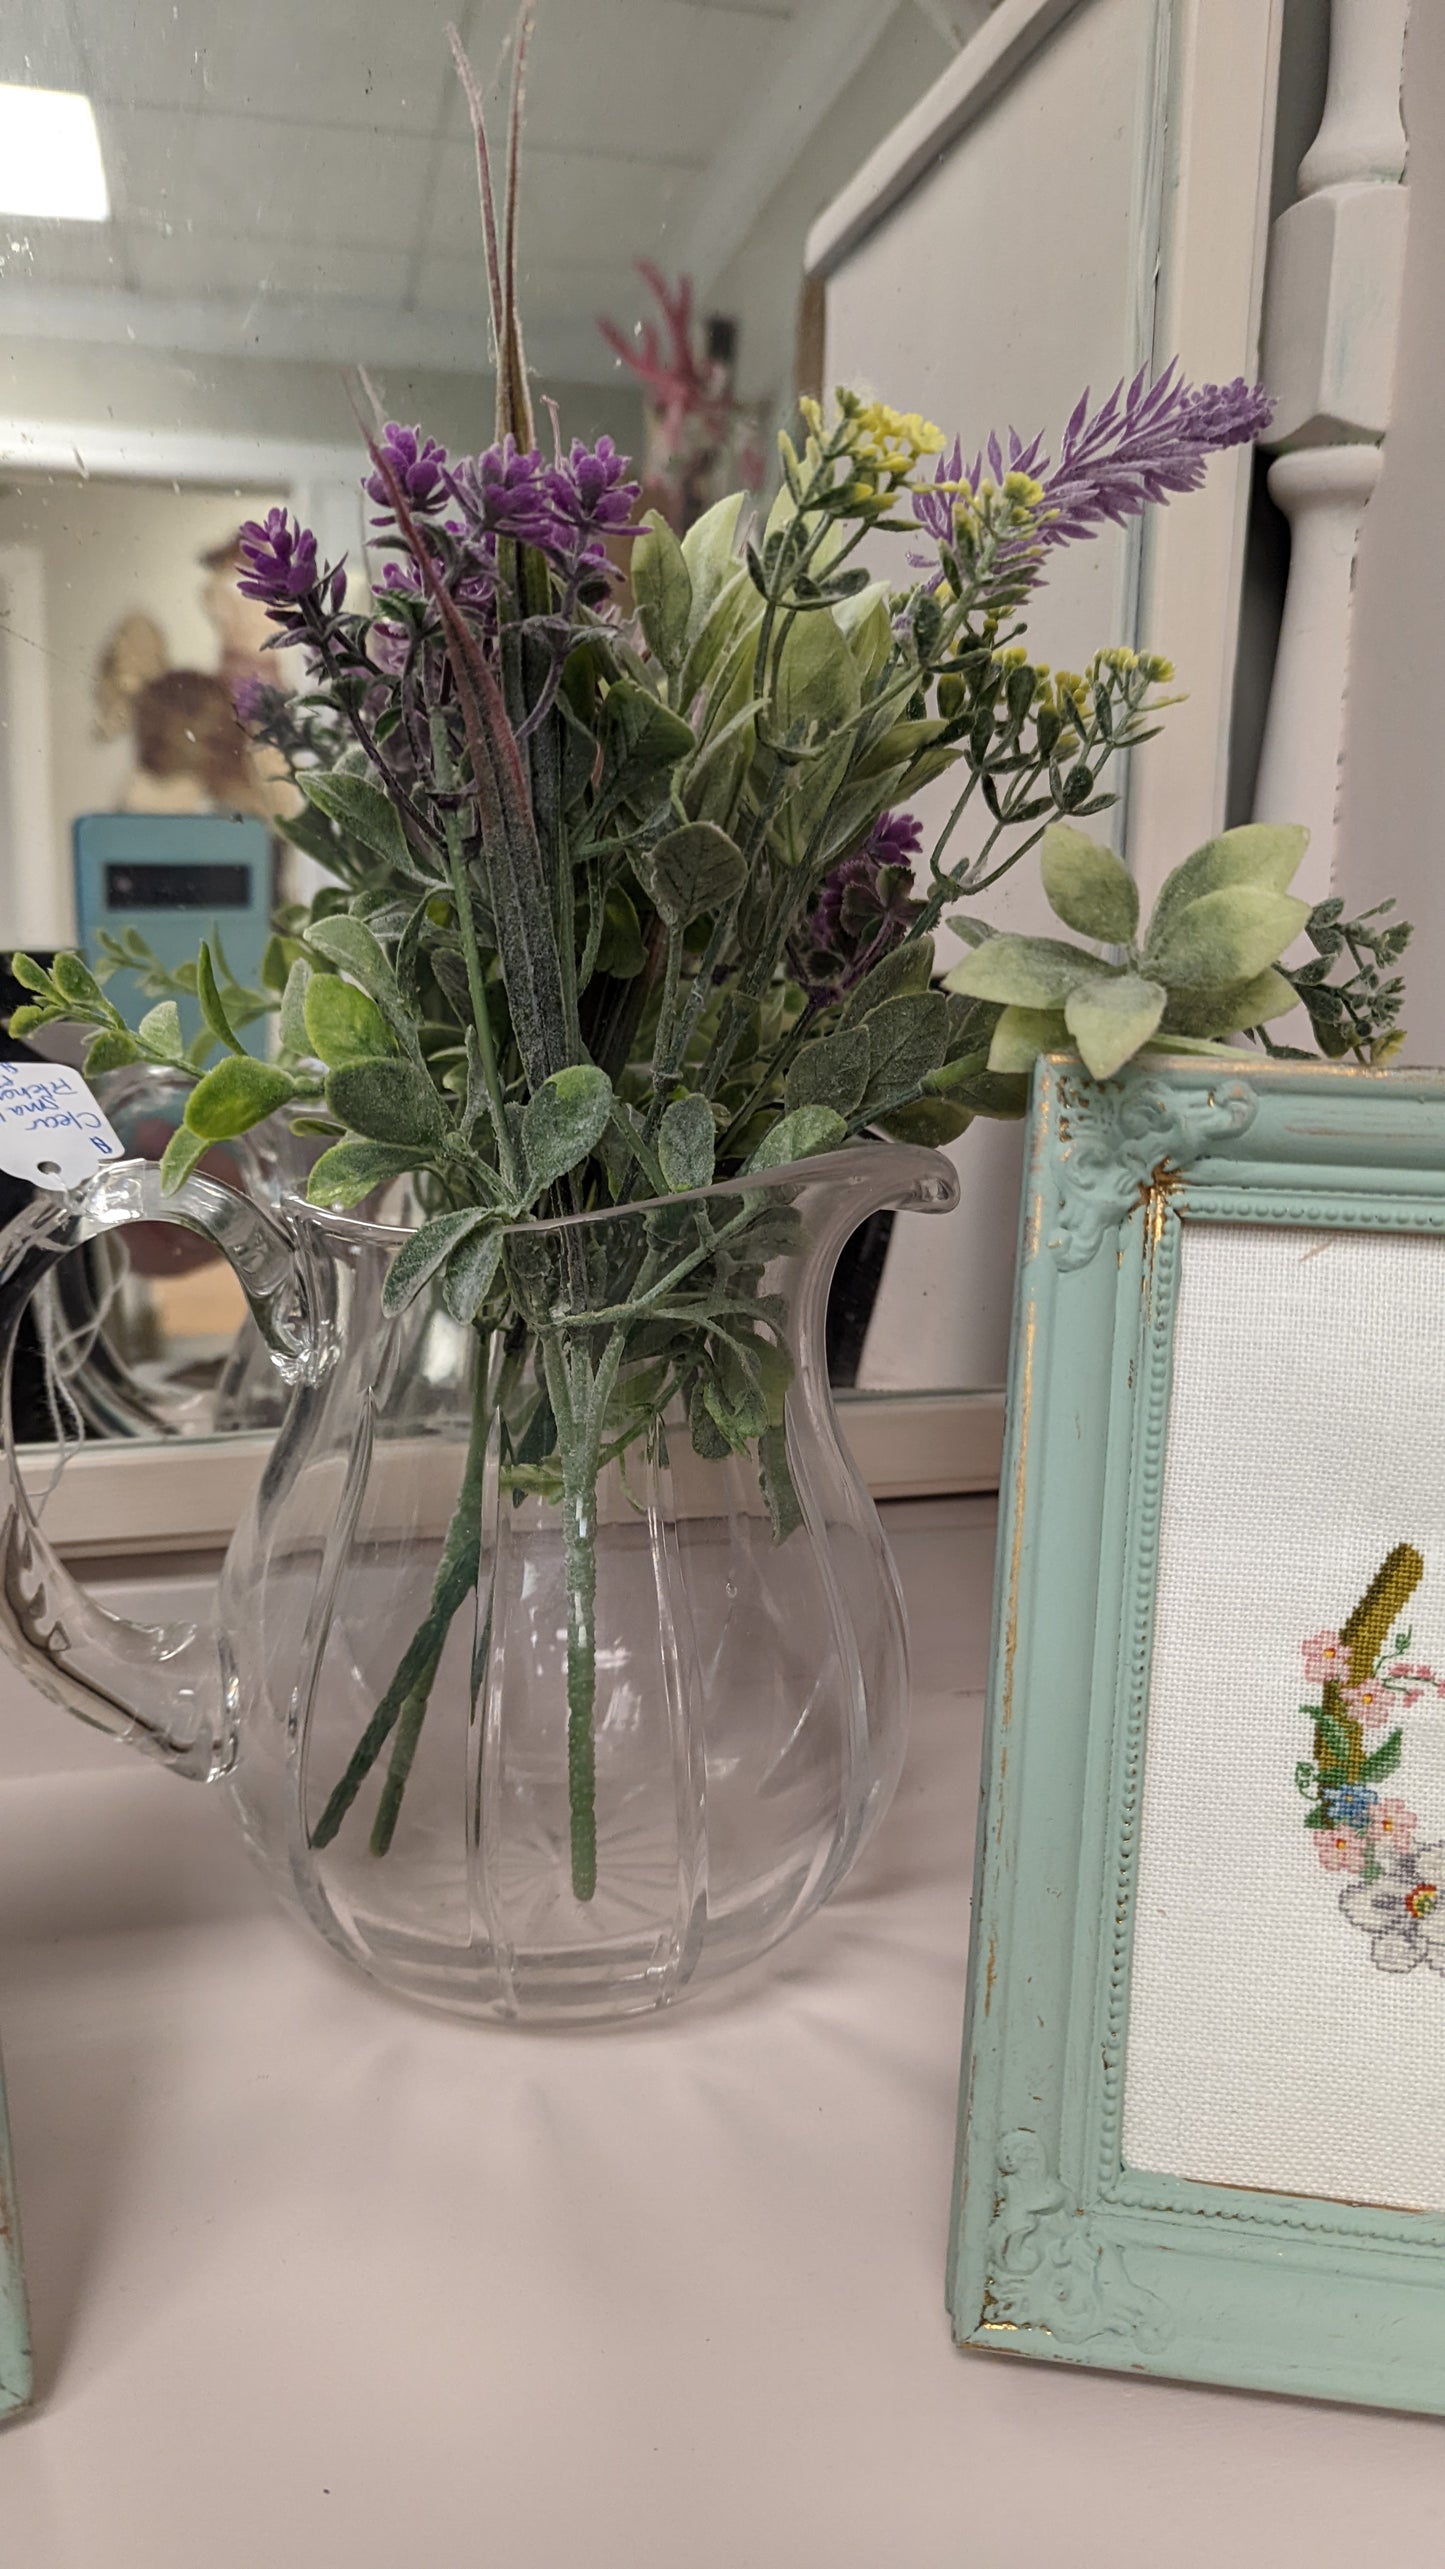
(51, 1130)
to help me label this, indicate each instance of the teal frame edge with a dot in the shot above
(1057, 2250)
(16, 2377)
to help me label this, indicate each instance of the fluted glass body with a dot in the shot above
(535, 1695)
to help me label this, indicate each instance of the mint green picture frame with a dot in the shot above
(1058, 2250)
(16, 2382)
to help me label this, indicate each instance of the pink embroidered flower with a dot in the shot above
(1341, 1850)
(1370, 1703)
(1325, 1656)
(1392, 1828)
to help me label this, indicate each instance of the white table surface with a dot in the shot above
(322, 2282)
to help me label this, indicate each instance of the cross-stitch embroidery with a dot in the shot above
(1396, 1894)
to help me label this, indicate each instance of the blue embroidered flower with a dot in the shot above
(1350, 1805)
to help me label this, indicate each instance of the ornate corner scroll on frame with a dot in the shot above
(1122, 1147)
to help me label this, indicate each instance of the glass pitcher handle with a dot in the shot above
(157, 1686)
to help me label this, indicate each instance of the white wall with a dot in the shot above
(107, 548)
(761, 285)
(1392, 806)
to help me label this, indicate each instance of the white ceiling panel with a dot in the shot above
(614, 209)
(37, 46)
(577, 286)
(248, 175)
(651, 79)
(59, 254)
(185, 264)
(337, 62)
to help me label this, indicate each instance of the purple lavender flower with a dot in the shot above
(249, 698)
(507, 492)
(591, 489)
(282, 566)
(417, 463)
(864, 908)
(1145, 443)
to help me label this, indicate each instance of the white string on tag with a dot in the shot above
(52, 1132)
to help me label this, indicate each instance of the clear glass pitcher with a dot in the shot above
(555, 1667)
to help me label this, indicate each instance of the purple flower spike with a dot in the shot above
(864, 908)
(507, 492)
(591, 488)
(417, 463)
(280, 559)
(1147, 442)
(1142, 445)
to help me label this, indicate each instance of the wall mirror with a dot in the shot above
(263, 202)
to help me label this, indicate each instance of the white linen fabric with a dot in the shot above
(1306, 1440)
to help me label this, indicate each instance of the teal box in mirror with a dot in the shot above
(15, 2379)
(172, 878)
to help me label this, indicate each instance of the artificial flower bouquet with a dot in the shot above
(627, 899)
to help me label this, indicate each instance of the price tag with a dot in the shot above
(52, 1132)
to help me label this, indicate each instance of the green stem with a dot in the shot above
(406, 1698)
(579, 1408)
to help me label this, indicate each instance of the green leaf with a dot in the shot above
(428, 1249)
(470, 1270)
(388, 1101)
(238, 1093)
(642, 735)
(708, 1439)
(213, 1007)
(620, 950)
(707, 552)
(970, 1082)
(349, 1171)
(831, 1071)
(160, 1031)
(775, 1474)
(28, 1021)
(817, 678)
(1318, 1818)
(342, 1024)
(1110, 1019)
(799, 1137)
(293, 1008)
(907, 1038)
(1087, 886)
(564, 1120)
(931, 1122)
(662, 587)
(1335, 1748)
(1225, 936)
(1260, 853)
(180, 1156)
(695, 870)
(1227, 1011)
(1024, 972)
(907, 969)
(687, 1143)
(76, 982)
(1022, 1034)
(1383, 1760)
(30, 974)
(350, 945)
(109, 1050)
(361, 809)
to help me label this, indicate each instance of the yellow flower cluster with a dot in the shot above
(880, 442)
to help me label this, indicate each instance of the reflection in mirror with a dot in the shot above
(216, 219)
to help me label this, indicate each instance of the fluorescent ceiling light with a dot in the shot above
(50, 160)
